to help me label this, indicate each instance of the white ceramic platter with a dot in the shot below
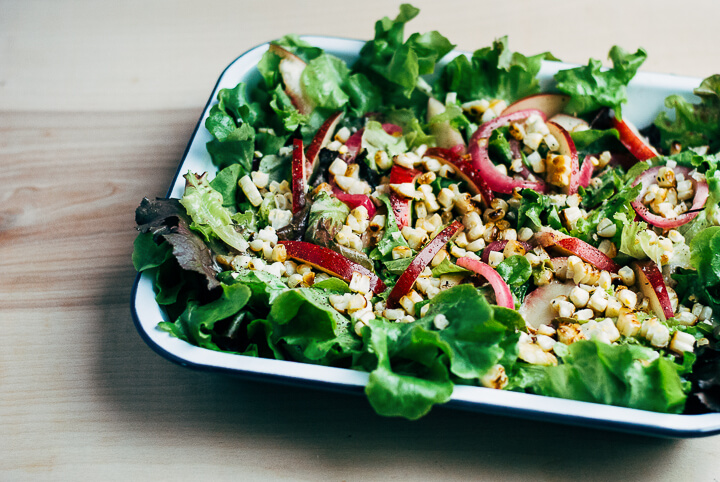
(646, 95)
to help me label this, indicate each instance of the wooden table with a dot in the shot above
(97, 102)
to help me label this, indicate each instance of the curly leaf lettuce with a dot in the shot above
(205, 206)
(622, 375)
(493, 73)
(694, 124)
(591, 87)
(415, 363)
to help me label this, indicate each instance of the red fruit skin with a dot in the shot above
(549, 104)
(355, 200)
(653, 287)
(299, 182)
(503, 295)
(329, 261)
(291, 78)
(648, 177)
(568, 245)
(631, 139)
(499, 246)
(497, 181)
(586, 172)
(467, 170)
(322, 138)
(406, 281)
(401, 206)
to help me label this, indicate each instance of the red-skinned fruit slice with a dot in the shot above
(633, 140)
(465, 170)
(568, 245)
(549, 104)
(503, 295)
(291, 68)
(446, 136)
(568, 122)
(322, 138)
(652, 285)
(649, 177)
(586, 172)
(537, 310)
(567, 148)
(496, 180)
(499, 246)
(355, 200)
(330, 262)
(402, 206)
(299, 179)
(406, 280)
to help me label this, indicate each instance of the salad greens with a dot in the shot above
(379, 245)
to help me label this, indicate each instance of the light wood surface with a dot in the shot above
(97, 102)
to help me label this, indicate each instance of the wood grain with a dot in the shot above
(97, 102)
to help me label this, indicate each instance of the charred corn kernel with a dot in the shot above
(495, 258)
(404, 160)
(509, 234)
(535, 355)
(666, 177)
(461, 240)
(605, 158)
(394, 314)
(359, 187)
(686, 318)
(546, 330)
(431, 164)
(537, 163)
(438, 258)
(382, 160)
(294, 280)
(256, 264)
(608, 248)
(551, 142)
(334, 145)
(345, 182)
(655, 332)
(579, 297)
(598, 301)
(446, 197)
(400, 252)
(569, 333)
(408, 305)
(627, 276)
(533, 140)
(606, 228)
(459, 252)
(359, 283)
(275, 269)
(706, 313)
(250, 190)
(559, 169)
(279, 253)
(450, 280)
(441, 322)
(524, 234)
(492, 215)
(628, 298)
(338, 167)
(544, 278)
(377, 223)
(570, 217)
(476, 245)
(309, 278)
(260, 179)
(446, 171)
(605, 281)
(613, 308)
(628, 323)
(682, 342)
(426, 178)
(414, 237)
(513, 248)
(584, 314)
(342, 135)
(495, 377)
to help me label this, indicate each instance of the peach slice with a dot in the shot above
(567, 245)
(652, 285)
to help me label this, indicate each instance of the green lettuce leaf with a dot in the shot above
(414, 362)
(205, 206)
(693, 124)
(493, 73)
(238, 147)
(621, 375)
(392, 237)
(591, 87)
(375, 139)
(327, 217)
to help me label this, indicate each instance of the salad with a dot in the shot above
(443, 223)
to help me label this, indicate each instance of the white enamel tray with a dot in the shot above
(646, 93)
